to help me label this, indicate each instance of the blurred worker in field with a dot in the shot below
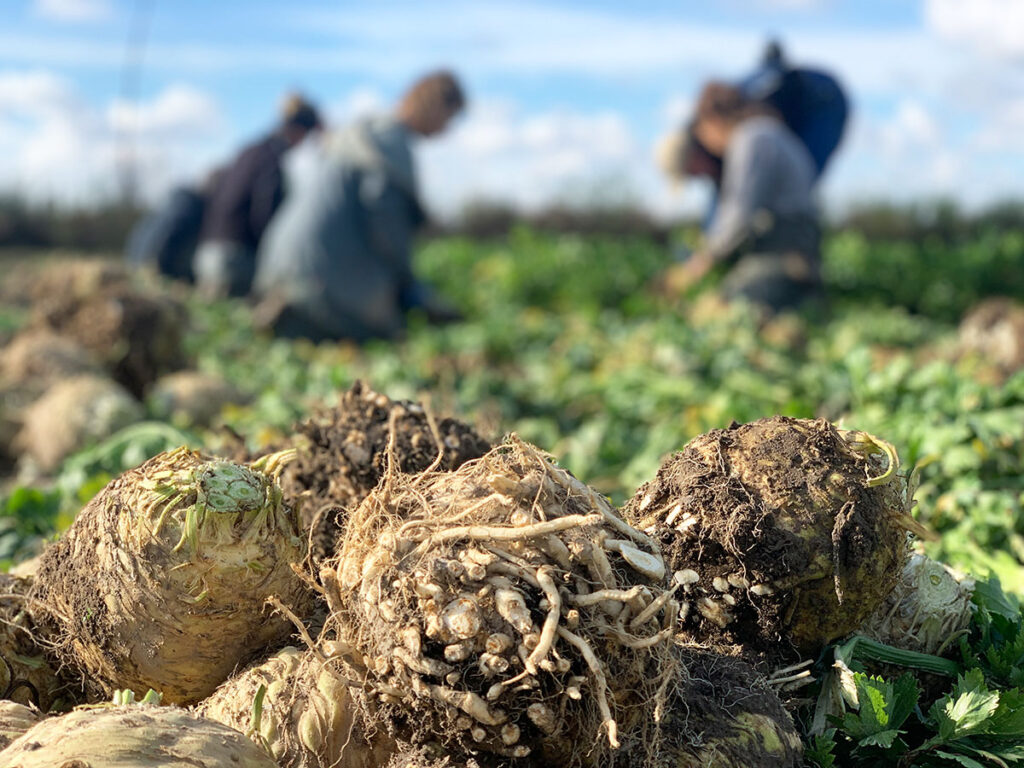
(336, 261)
(243, 201)
(765, 226)
(165, 239)
(811, 102)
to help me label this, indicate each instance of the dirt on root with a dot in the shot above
(135, 335)
(343, 453)
(489, 595)
(774, 535)
(724, 714)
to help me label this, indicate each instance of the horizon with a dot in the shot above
(566, 99)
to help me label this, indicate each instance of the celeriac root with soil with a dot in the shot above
(342, 456)
(133, 736)
(782, 532)
(726, 715)
(161, 582)
(26, 675)
(15, 720)
(300, 710)
(507, 609)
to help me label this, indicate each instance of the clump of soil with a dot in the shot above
(136, 336)
(308, 719)
(782, 532)
(724, 715)
(162, 580)
(504, 609)
(993, 333)
(73, 414)
(343, 453)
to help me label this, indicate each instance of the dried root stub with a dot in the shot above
(298, 707)
(135, 735)
(161, 580)
(781, 529)
(926, 612)
(135, 335)
(26, 676)
(722, 714)
(503, 608)
(342, 454)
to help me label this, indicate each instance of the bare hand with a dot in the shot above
(681, 277)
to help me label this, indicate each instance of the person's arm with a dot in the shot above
(746, 188)
(267, 193)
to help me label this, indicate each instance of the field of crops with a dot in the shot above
(567, 343)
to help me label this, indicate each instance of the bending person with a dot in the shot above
(765, 228)
(246, 195)
(336, 261)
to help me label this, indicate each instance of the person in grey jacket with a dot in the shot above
(336, 259)
(765, 228)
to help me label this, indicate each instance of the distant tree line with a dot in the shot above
(105, 227)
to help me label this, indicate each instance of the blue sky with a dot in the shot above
(567, 97)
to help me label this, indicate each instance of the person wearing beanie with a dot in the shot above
(244, 199)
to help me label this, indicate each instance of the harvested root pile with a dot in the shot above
(73, 414)
(724, 715)
(136, 336)
(993, 333)
(782, 529)
(135, 736)
(342, 455)
(39, 358)
(192, 398)
(429, 757)
(26, 677)
(15, 720)
(503, 608)
(300, 710)
(161, 580)
(929, 608)
(71, 279)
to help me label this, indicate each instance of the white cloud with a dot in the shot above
(73, 10)
(500, 152)
(61, 148)
(1005, 133)
(988, 27)
(358, 103)
(178, 112)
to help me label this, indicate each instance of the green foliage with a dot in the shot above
(978, 721)
(27, 517)
(929, 275)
